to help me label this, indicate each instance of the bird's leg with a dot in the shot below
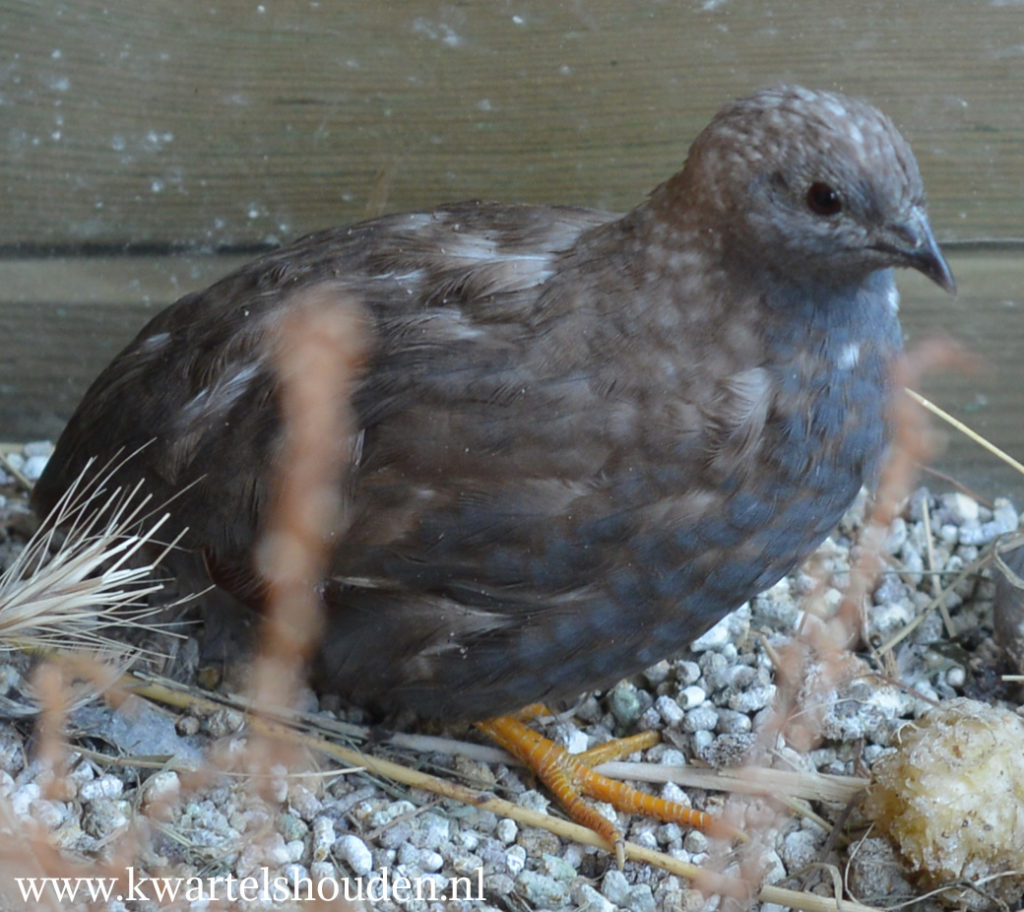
(569, 777)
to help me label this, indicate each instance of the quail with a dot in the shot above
(582, 437)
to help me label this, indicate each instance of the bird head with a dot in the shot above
(814, 185)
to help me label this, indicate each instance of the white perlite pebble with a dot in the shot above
(33, 467)
(959, 509)
(22, 798)
(576, 741)
(670, 711)
(323, 838)
(515, 859)
(1004, 519)
(703, 718)
(159, 792)
(615, 888)
(353, 851)
(692, 696)
(586, 897)
(800, 848)
(103, 787)
(507, 830)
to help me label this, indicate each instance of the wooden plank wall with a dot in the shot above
(136, 130)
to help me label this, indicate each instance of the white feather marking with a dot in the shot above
(849, 355)
(893, 299)
(219, 398)
(154, 342)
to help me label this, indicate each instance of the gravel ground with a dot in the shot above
(710, 707)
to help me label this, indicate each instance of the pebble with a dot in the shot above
(160, 793)
(515, 860)
(669, 710)
(304, 801)
(749, 701)
(615, 888)
(732, 721)
(33, 467)
(800, 848)
(104, 817)
(703, 718)
(641, 899)
(625, 703)
(692, 696)
(507, 830)
(103, 787)
(545, 892)
(323, 838)
(22, 797)
(687, 672)
(354, 852)
(587, 898)
(695, 842)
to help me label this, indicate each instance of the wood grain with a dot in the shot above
(185, 122)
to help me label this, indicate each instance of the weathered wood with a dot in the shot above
(186, 122)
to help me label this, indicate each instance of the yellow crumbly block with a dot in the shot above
(952, 799)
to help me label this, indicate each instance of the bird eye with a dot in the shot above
(824, 199)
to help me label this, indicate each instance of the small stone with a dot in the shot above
(692, 696)
(703, 718)
(897, 536)
(38, 448)
(353, 851)
(104, 817)
(733, 627)
(187, 725)
(22, 798)
(615, 888)
(515, 859)
(800, 848)
(669, 710)
(687, 672)
(434, 831)
(224, 722)
(391, 811)
(624, 702)
(533, 800)
(51, 814)
(538, 890)
(641, 899)
(160, 793)
(322, 871)
(695, 842)
(33, 467)
(586, 897)
(103, 787)
(732, 722)
(291, 826)
(716, 670)
(323, 838)
(507, 830)
(749, 701)
(304, 801)
(959, 509)
(658, 674)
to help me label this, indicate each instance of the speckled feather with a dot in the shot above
(584, 438)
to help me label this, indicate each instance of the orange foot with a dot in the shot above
(570, 777)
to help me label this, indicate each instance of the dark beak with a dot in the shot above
(913, 244)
